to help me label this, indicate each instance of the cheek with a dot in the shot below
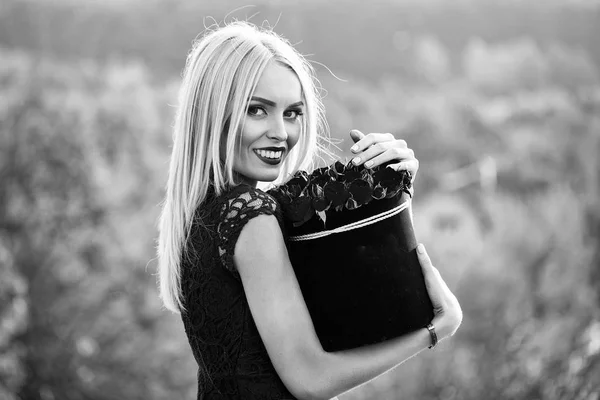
(294, 135)
(250, 133)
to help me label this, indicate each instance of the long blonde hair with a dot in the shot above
(221, 73)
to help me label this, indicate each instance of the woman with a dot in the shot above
(249, 112)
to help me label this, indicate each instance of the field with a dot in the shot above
(499, 100)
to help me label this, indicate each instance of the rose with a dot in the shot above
(352, 174)
(320, 203)
(361, 191)
(367, 176)
(299, 210)
(339, 186)
(302, 175)
(336, 170)
(389, 179)
(351, 204)
(319, 179)
(282, 198)
(319, 172)
(316, 190)
(339, 168)
(296, 185)
(379, 192)
(407, 183)
(336, 193)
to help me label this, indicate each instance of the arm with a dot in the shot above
(286, 328)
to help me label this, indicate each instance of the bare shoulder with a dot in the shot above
(261, 245)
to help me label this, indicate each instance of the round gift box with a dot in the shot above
(363, 285)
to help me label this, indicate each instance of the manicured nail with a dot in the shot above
(356, 160)
(368, 164)
(420, 249)
(354, 148)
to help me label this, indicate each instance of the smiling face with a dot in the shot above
(272, 125)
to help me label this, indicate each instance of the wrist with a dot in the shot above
(441, 327)
(446, 323)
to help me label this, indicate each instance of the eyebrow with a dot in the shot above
(273, 104)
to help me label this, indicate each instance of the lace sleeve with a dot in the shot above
(236, 210)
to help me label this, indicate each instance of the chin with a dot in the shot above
(268, 177)
(258, 172)
(260, 176)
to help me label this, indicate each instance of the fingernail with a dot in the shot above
(420, 249)
(356, 160)
(368, 164)
(354, 148)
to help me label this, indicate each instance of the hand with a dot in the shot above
(379, 148)
(447, 312)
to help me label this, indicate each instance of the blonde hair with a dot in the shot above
(221, 73)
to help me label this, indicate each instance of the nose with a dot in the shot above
(277, 131)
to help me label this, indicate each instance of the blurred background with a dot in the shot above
(499, 99)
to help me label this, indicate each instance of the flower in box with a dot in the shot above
(352, 246)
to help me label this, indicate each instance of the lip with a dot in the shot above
(270, 161)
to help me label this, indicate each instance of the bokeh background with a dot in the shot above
(500, 100)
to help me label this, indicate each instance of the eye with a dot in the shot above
(293, 114)
(256, 111)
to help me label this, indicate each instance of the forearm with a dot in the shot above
(286, 328)
(336, 373)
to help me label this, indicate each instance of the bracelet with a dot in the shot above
(433, 335)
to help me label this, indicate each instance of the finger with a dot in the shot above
(424, 259)
(432, 281)
(437, 274)
(356, 135)
(382, 153)
(371, 139)
(429, 271)
(411, 166)
(443, 283)
(398, 149)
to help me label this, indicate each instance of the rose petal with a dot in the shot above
(339, 168)
(320, 203)
(352, 175)
(336, 193)
(351, 204)
(361, 191)
(299, 209)
(379, 192)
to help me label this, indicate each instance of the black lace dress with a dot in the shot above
(232, 359)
